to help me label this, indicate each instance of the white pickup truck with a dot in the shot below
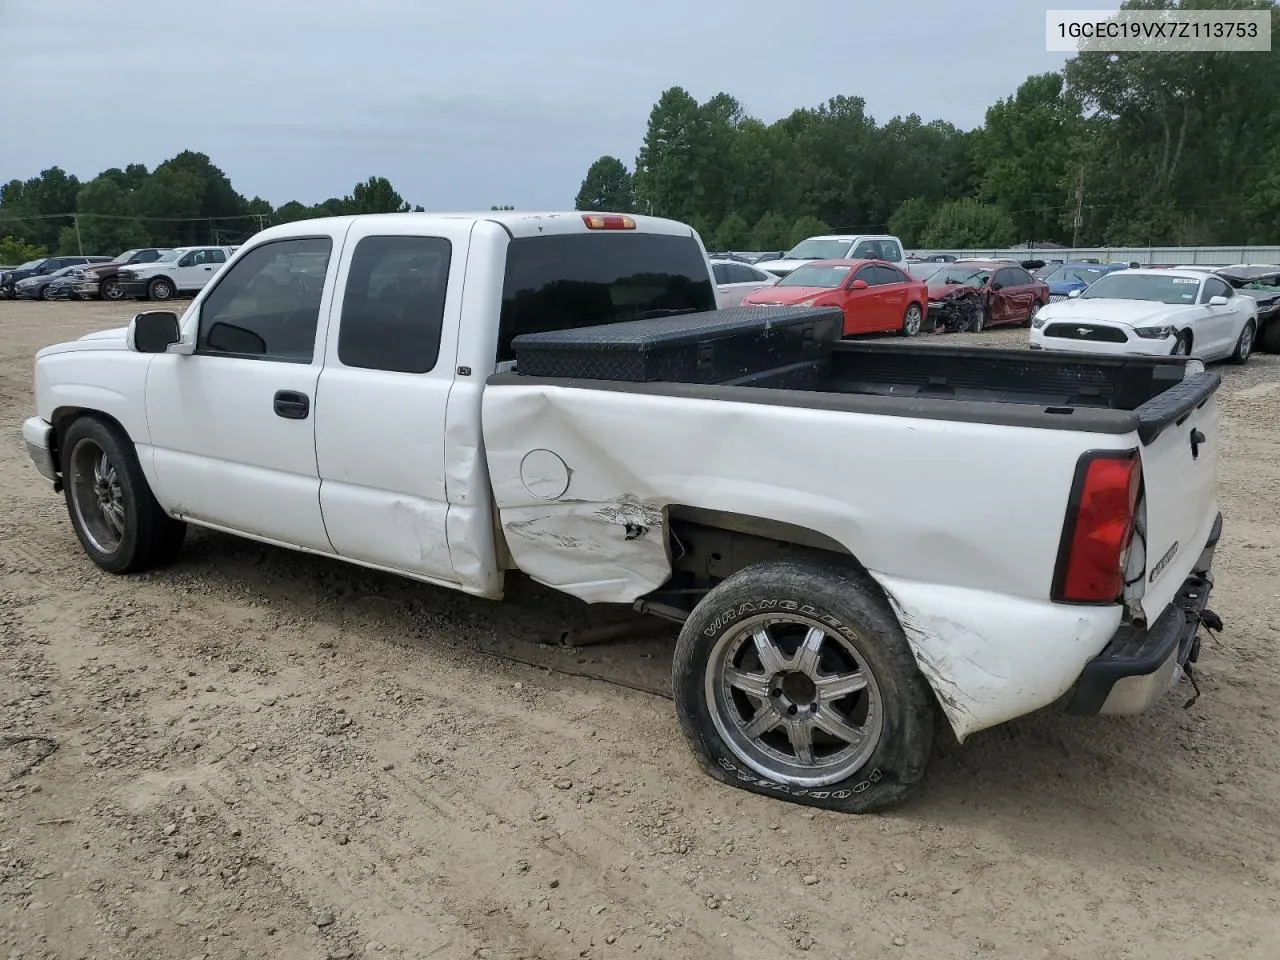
(979, 532)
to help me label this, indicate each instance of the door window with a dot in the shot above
(889, 250)
(393, 308)
(866, 250)
(1213, 287)
(888, 275)
(267, 305)
(721, 271)
(868, 274)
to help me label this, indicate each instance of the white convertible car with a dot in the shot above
(1152, 312)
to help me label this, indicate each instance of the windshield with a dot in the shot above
(30, 264)
(168, 256)
(923, 271)
(816, 249)
(586, 280)
(828, 277)
(1262, 283)
(1074, 275)
(1144, 286)
(970, 276)
(125, 257)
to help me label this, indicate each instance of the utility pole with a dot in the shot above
(75, 217)
(1079, 220)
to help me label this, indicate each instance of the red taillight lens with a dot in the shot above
(596, 221)
(1098, 528)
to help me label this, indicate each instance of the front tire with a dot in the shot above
(115, 516)
(110, 289)
(1182, 346)
(160, 289)
(912, 320)
(1244, 345)
(794, 680)
(978, 318)
(44, 293)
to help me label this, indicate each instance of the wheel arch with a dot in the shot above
(752, 536)
(63, 417)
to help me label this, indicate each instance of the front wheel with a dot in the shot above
(978, 318)
(116, 518)
(1244, 345)
(110, 289)
(44, 293)
(160, 289)
(912, 320)
(794, 680)
(1182, 346)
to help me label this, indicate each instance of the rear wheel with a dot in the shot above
(794, 680)
(116, 518)
(912, 320)
(1035, 308)
(1244, 345)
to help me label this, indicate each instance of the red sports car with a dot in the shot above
(876, 297)
(974, 294)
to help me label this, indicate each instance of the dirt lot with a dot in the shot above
(262, 754)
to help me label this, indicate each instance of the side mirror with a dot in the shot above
(153, 332)
(1218, 301)
(859, 285)
(997, 286)
(1074, 293)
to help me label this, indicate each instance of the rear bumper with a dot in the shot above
(1141, 664)
(38, 435)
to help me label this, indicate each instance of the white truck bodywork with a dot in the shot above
(455, 475)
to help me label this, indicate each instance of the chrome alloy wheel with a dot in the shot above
(97, 496)
(793, 700)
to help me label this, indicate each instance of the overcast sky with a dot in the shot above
(463, 105)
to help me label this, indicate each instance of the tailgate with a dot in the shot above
(1179, 434)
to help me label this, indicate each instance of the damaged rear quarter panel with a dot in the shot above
(971, 596)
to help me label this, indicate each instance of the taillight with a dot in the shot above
(596, 221)
(1098, 528)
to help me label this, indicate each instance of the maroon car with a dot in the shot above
(975, 294)
(100, 279)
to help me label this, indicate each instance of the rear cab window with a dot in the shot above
(584, 280)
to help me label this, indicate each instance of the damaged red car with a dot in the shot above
(976, 294)
(875, 296)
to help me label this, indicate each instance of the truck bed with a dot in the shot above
(1090, 393)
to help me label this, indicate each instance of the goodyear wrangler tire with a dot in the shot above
(794, 680)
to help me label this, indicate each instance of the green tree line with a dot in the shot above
(1141, 148)
(184, 200)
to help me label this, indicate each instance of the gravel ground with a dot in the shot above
(256, 753)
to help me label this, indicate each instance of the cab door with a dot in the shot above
(893, 300)
(383, 398)
(232, 416)
(864, 306)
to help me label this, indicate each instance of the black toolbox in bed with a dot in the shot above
(716, 346)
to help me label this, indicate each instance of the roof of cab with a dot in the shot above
(518, 223)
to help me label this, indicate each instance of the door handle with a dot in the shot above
(207, 269)
(292, 405)
(1197, 438)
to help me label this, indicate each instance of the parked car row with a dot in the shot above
(148, 273)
